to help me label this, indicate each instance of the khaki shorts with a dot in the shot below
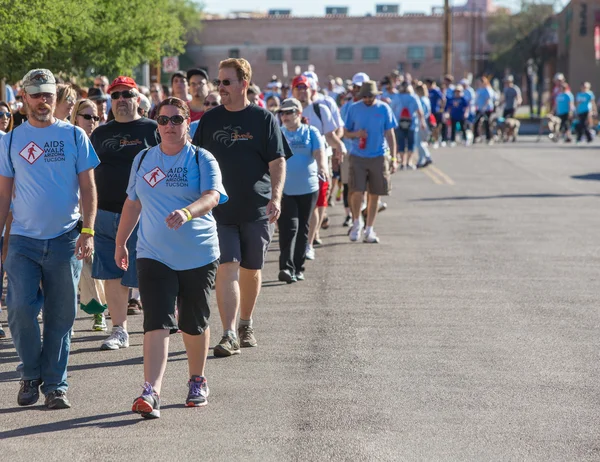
(370, 174)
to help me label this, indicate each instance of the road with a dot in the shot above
(469, 333)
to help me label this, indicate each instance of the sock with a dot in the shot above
(244, 322)
(229, 333)
(357, 222)
(368, 229)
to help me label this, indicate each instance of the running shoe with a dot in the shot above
(356, 231)
(99, 323)
(148, 404)
(57, 399)
(310, 253)
(371, 238)
(286, 276)
(300, 276)
(228, 346)
(134, 307)
(246, 336)
(198, 392)
(347, 221)
(119, 338)
(317, 241)
(29, 393)
(2, 333)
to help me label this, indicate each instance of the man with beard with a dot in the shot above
(247, 142)
(47, 164)
(117, 143)
(200, 88)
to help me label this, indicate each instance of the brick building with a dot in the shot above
(341, 45)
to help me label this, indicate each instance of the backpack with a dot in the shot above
(405, 119)
(317, 110)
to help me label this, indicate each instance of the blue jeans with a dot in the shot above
(52, 264)
(420, 140)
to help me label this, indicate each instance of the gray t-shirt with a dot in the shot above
(510, 96)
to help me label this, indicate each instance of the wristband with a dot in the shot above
(187, 214)
(87, 231)
(394, 159)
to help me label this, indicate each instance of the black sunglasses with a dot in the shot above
(175, 120)
(214, 103)
(89, 117)
(225, 82)
(301, 87)
(127, 94)
(5, 115)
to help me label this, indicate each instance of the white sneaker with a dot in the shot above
(436, 145)
(356, 231)
(371, 238)
(310, 253)
(119, 338)
(453, 144)
(443, 144)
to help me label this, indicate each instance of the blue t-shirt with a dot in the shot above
(484, 99)
(563, 103)
(405, 105)
(435, 98)
(44, 163)
(166, 183)
(584, 101)
(301, 168)
(457, 107)
(425, 105)
(376, 120)
(193, 128)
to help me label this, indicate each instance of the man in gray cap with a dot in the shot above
(50, 164)
(511, 97)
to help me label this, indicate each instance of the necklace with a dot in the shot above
(178, 157)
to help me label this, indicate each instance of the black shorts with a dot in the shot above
(245, 243)
(162, 289)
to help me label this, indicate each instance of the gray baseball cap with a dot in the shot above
(39, 81)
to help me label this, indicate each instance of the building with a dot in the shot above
(341, 45)
(578, 56)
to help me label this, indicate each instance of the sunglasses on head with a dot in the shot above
(89, 117)
(175, 120)
(127, 94)
(5, 115)
(208, 103)
(225, 82)
(42, 95)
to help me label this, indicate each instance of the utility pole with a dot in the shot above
(447, 38)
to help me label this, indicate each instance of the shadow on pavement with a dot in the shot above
(67, 424)
(587, 176)
(503, 196)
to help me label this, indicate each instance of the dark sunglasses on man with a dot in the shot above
(225, 82)
(127, 94)
(213, 104)
(164, 120)
(90, 117)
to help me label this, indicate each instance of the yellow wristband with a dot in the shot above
(87, 231)
(187, 214)
(394, 159)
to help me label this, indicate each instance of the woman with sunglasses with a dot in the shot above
(304, 169)
(85, 115)
(172, 189)
(66, 97)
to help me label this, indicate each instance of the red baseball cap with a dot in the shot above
(300, 80)
(122, 80)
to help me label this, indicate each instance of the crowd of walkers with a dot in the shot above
(133, 200)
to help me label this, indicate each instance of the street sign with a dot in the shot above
(170, 64)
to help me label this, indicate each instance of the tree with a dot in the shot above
(108, 36)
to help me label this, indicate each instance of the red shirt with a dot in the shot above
(195, 115)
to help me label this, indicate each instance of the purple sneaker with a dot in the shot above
(198, 393)
(147, 405)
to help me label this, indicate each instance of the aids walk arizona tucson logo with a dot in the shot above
(31, 152)
(154, 176)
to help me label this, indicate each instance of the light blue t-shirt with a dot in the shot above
(45, 163)
(301, 168)
(376, 120)
(425, 105)
(164, 184)
(407, 102)
(2, 134)
(484, 99)
(584, 101)
(193, 128)
(563, 103)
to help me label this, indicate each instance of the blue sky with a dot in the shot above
(317, 8)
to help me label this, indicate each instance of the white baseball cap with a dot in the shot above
(313, 79)
(359, 79)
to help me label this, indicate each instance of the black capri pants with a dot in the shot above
(162, 289)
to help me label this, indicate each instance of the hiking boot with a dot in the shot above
(228, 346)
(286, 276)
(99, 323)
(246, 336)
(57, 399)
(148, 404)
(119, 338)
(29, 393)
(198, 393)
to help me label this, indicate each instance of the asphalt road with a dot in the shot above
(469, 333)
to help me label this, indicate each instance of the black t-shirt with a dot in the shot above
(243, 142)
(18, 119)
(117, 144)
